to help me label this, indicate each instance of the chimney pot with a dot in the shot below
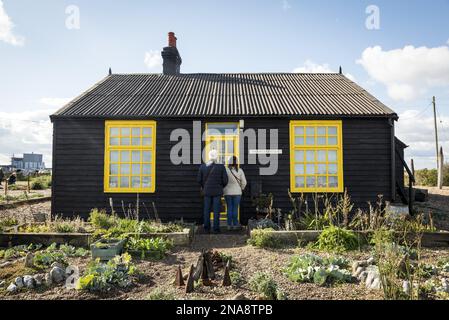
(172, 39)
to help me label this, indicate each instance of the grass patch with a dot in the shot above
(264, 238)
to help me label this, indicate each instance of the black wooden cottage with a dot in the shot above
(117, 139)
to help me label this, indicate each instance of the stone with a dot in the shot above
(369, 279)
(375, 285)
(362, 277)
(12, 288)
(28, 282)
(57, 264)
(57, 275)
(355, 266)
(47, 280)
(239, 296)
(2, 283)
(370, 261)
(39, 279)
(406, 288)
(358, 271)
(19, 282)
(445, 285)
(29, 260)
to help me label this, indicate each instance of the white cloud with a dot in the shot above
(409, 72)
(29, 131)
(286, 5)
(55, 102)
(421, 138)
(153, 59)
(6, 29)
(311, 67)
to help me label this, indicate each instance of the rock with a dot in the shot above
(370, 261)
(355, 266)
(29, 282)
(2, 283)
(375, 285)
(12, 288)
(445, 285)
(239, 296)
(358, 271)
(406, 288)
(369, 279)
(57, 264)
(57, 275)
(29, 260)
(39, 279)
(47, 279)
(362, 277)
(19, 282)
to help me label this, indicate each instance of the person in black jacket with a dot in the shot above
(213, 178)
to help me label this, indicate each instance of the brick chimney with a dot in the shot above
(170, 55)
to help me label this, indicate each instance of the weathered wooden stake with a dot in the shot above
(227, 278)
(190, 282)
(179, 277)
(199, 268)
(209, 265)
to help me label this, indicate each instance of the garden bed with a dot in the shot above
(429, 239)
(11, 205)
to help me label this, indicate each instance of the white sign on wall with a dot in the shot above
(265, 151)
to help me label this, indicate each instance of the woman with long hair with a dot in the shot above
(233, 192)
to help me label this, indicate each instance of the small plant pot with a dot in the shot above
(106, 250)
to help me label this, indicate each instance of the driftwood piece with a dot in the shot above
(190, 282)
(179, 278)
(209, 265)
(227, 278)
(198, 271)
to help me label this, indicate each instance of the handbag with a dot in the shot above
(206, 180)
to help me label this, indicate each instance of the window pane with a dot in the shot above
(230, 147)
(310, 157)
(321, 169)
(299, 131)
(332, 156)
(124, 182)
(114, 156)
(114, 132)
(332, 141)
(299, 141)
(310, 141)
(321, 131)
(135, 141)
(136, 132)
(310, 169)
(124, 169)
(147, 131)
(322, 183)
(222, 128)
(333, 182)
(135, 156)
(113, 182)
(321, 141)
(135, 169)
(146, 182)
(146, 156)
(299, 156)
(113, 169)
(299, 182)
(114, 141)
(321, 156)
(310, 131)
(147, 141)
(332, 169)
(332, 130)
(124, 156)
(126, 132)
(126, 141)
(311, 182)
(146, 169)
(135, 182)
(299, 169)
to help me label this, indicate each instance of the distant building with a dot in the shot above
(29, 162)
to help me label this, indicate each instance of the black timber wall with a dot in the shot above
(78, 157)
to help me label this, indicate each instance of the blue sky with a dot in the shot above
(43, 64)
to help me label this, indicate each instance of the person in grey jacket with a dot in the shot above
(233, 191)
(212, 178)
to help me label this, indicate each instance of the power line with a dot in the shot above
(418, 114)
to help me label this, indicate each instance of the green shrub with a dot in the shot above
(263, 284)
(98, 276)
(154, 248)
(335, 239)
(236, 278)
(321, 271)
(161, 294)
(101, 220)
(426, 177)
(263, 238)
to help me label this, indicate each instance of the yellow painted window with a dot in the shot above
(130, 157)
(223, 137)
(316, 156)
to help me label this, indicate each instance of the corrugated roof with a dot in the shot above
(243, 94)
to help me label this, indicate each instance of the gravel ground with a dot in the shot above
(25, 213)
(438, 206)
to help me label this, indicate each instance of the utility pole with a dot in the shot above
(436, 129)
(440, 168)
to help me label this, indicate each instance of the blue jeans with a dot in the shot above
(212, 203)
(233, 203)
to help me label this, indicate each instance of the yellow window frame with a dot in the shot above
(316, 147)
(108, 148)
